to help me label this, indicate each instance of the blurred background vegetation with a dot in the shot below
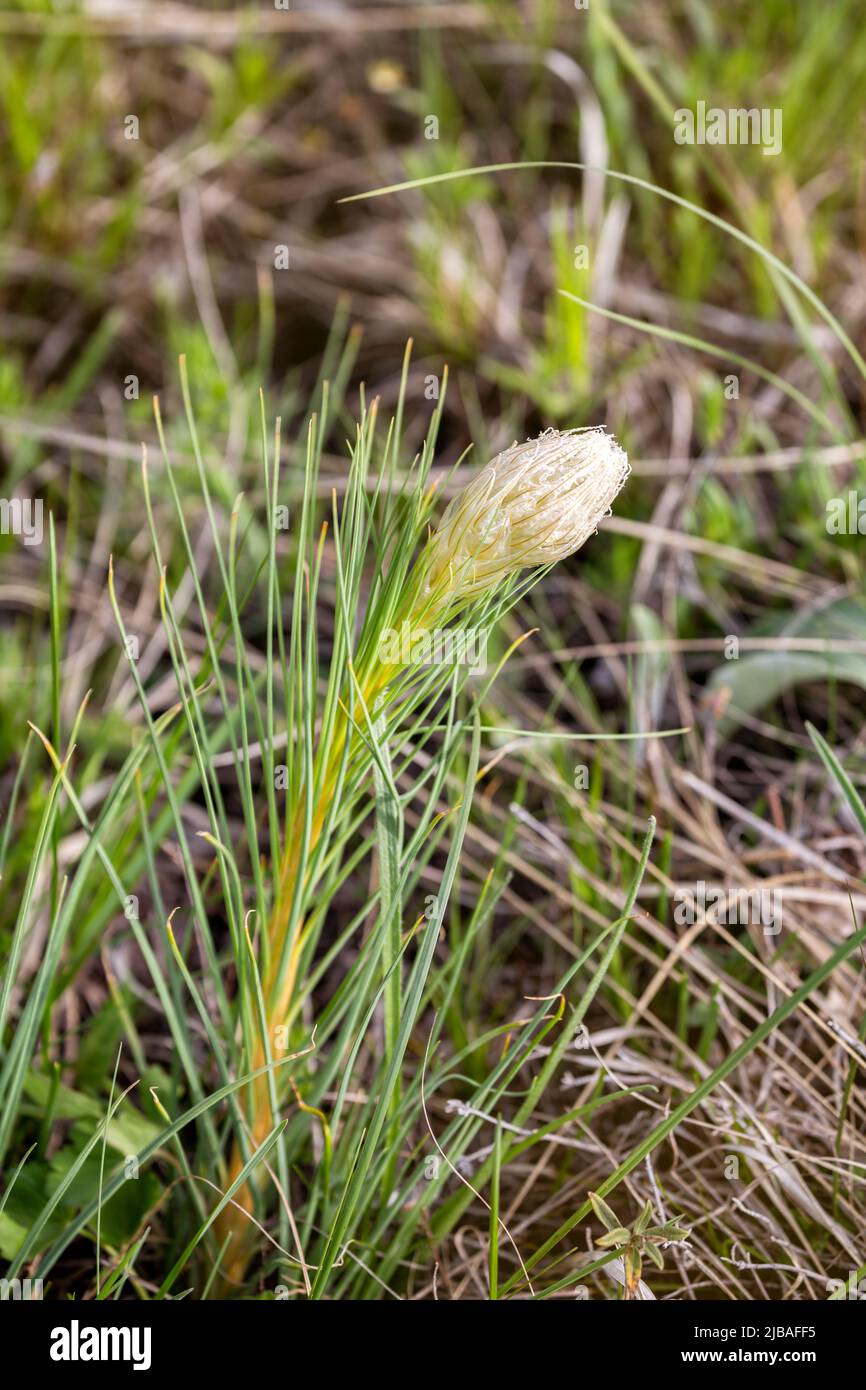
(171, 181)
(248, 125)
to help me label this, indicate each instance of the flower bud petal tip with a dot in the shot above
(532, 505)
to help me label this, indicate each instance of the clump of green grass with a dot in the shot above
(249, 942)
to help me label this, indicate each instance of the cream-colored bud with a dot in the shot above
(532, 505)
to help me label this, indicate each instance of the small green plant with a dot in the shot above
(635, 1241)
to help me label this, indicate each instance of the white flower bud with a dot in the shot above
(532, 505)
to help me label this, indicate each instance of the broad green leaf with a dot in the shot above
(755, 679)
(127, 1132)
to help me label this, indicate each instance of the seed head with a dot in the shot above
(532, 505)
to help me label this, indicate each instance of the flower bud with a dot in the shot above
(532, 505)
